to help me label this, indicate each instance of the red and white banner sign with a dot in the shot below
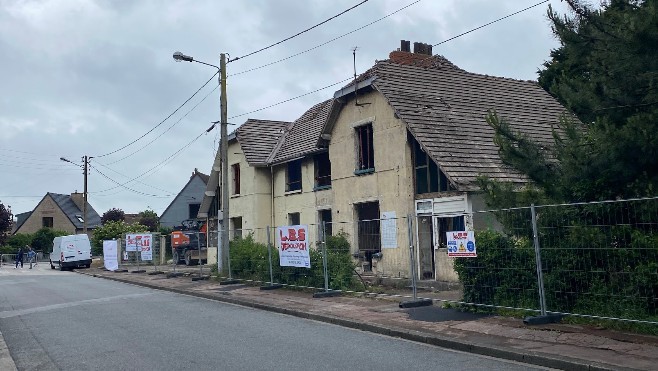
(292, 242)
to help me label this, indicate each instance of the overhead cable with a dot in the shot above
(164, 132)
(325, 43)
(124, 186)
(299, 33)
(288, 100)
(490, 23)
(161, 122)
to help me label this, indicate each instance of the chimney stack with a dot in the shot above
(404, 55)
(405, 46)
(78, 199)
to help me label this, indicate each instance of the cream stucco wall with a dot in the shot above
(253, 204)
(47, 208)
(304, 202)
(391, 183)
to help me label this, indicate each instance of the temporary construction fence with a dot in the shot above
(140, 251)
(595, 260)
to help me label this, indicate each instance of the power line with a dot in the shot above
(162, 122)
(158, 165)
(169, 128)
(124, 175)
(291, 99)
(124, 186)
(490, 23)
(299, 33)
(325, 43)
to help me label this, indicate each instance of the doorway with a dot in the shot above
(425, 248)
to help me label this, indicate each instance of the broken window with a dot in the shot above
(365, 159)
(235, 171)
(429, 178)
(294, 176)
(324, 218)
(193, 210)
(322, 167)
(293, 219)
(236, 227)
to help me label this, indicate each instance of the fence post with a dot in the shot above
(411, 254)
(540, 276)
(228, 258)
(269, 253)
(412, 263)
(198, 245)
(324, 256)
(163, 248)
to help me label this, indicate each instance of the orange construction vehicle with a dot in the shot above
(188, 243)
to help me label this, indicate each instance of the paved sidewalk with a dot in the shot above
(558, 346)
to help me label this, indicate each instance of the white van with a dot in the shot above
(71, 252)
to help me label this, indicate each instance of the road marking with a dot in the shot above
(15, 313)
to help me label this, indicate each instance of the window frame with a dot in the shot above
(235, 172)
(364, 157)
(292, 216)
(294, 185)
(322, 171)
(49, 218)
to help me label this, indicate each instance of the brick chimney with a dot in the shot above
(404, 55)
(78, 199)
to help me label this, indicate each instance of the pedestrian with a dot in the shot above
(19, 257)
(30, 255)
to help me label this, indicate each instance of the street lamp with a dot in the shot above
(84, 202)
(222, 253)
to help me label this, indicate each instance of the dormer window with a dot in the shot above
(429, 178)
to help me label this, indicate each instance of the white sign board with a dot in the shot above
(110, 257)
(389, 230)
(461, 244)
(292, 242)
(140, 242)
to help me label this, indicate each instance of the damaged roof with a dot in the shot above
(444, 108)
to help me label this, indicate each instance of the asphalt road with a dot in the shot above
(55, 320)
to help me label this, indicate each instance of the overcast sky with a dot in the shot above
(87, 77)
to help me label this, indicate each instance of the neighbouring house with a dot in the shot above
(20, 219)
(60, 212)
(406, 138)
(186, 204)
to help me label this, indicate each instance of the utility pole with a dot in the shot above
(223, 253)
(84, 203)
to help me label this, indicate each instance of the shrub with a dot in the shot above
(249, 260)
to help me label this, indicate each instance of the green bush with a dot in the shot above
(249, 260)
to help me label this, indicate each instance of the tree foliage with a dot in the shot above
(113, 214)
(606, 73)
(149, 218)
(6, 220)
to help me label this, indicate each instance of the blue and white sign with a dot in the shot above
(461, 244)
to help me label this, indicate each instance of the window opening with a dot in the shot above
(365, 150)
(429, 178)
(324, 216)
(293, 219)
(369, 238)
(322, 167)
(294, 176)
(193, 210)
(236, 227)
(235, 169)
(47, 222)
